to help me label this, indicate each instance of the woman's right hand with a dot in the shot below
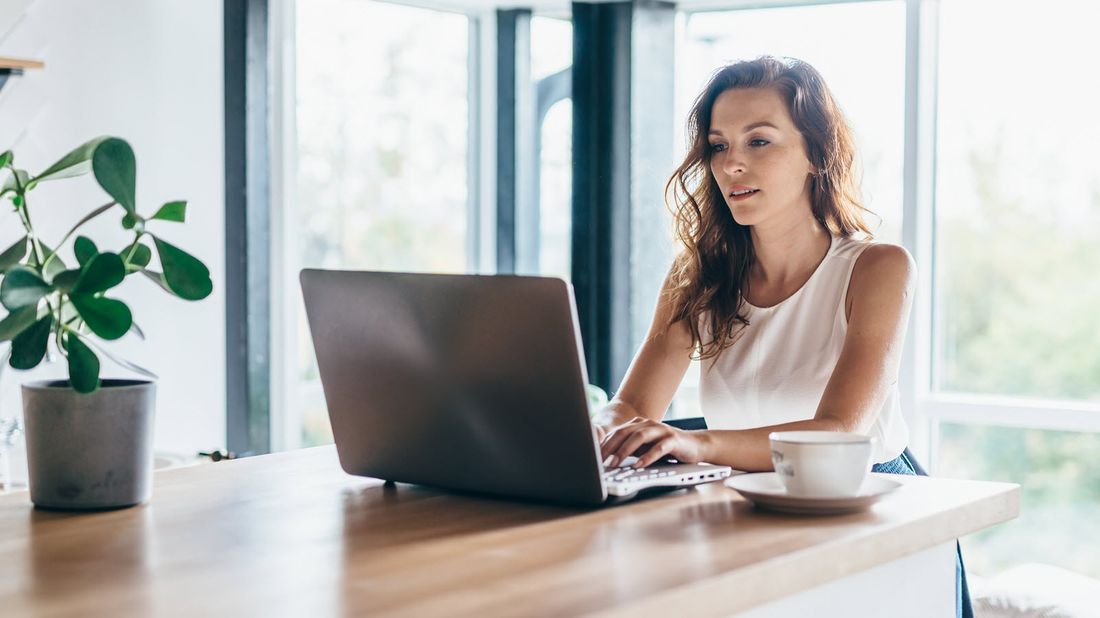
(600, 432)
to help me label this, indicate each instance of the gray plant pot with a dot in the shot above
(90, 451)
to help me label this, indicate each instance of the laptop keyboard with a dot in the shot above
(624, 473)
(633, 475)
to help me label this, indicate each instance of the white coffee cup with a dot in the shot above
(821, 464)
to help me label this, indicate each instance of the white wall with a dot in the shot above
(149, 71)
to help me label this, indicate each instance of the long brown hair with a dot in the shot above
(709, 274)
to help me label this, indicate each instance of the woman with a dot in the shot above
(798, 317)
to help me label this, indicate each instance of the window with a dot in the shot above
(835, 40)
(382, 149)
(556, 191)
(1017, 209)
(1018, 203)
(551, 61)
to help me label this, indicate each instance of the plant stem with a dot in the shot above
(36, 246)
(95, 213)
(133, 246)
(60, 327)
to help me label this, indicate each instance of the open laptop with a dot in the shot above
(466, 382)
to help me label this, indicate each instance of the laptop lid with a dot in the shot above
(466, 382)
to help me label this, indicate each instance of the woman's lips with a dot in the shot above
(744, 196)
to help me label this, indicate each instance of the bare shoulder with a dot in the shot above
(881, 272)
(884, 264)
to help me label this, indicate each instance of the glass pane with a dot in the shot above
(551, 46)
(870, 88)
(382, 150)
(551, 53)
(1059, 494)
(556, 192)
(1018, 201)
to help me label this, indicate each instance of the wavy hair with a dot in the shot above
(708, 276)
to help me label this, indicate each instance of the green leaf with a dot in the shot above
(76, 163)
(55, 266)
(140, 258)
(17, 321)
(29, 346)
(13, 254)
(157, 278)
(172, 211)
(187, 277)
(22, 287)
(10, 181)
(107, 317)
(85, 249)
(66, 279)
(103, 272)
(83, 365)
(5, 158)
(115, 170)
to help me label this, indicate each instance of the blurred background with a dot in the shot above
(1013, 341)
(977, 124)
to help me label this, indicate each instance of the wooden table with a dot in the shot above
(291, 534)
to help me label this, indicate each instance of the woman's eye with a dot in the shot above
(759, 142)
(717, 147)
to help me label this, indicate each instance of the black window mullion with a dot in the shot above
(247, 227)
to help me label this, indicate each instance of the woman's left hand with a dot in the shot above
(663, 441)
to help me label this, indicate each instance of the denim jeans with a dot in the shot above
(906, 464)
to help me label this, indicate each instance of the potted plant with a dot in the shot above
(89, 440)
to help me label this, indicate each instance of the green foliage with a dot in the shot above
(139, 257)
(185, 275)
(116, 171)
(16, 322)
(13, 254)
(83, 364)
(22, 287)
(29, 346)
(172, 211)
(48, 300)
(84, 249)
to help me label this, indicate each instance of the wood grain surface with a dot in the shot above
(290, 534)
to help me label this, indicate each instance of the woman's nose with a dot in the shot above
(733, 164)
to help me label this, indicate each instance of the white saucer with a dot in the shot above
(765, 491)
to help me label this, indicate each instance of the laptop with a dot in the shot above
(467, 382)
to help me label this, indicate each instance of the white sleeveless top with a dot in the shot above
(777, 369)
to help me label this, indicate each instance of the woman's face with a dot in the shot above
(755, 146)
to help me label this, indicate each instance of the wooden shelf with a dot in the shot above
(20, 63)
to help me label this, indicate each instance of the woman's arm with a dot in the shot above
(654, 374)
(879, 298)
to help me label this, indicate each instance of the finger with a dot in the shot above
(658, 450)
(617, 434)
(637, 440)
(614, 440)
(601, 431)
